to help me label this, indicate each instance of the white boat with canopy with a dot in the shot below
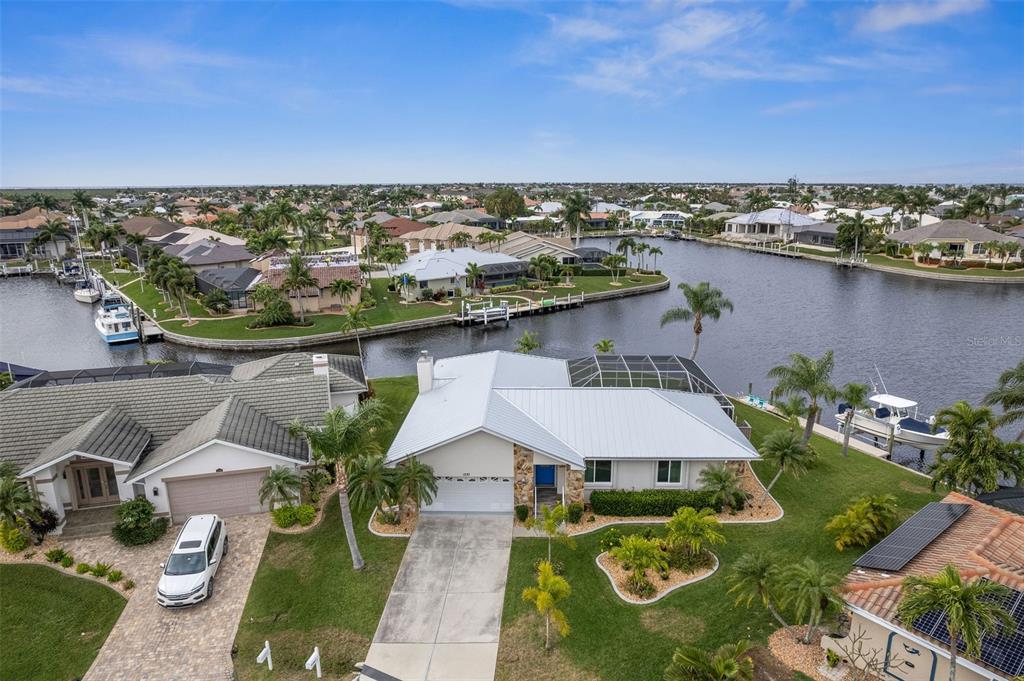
(896, 417)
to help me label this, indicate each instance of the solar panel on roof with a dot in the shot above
(910, 538)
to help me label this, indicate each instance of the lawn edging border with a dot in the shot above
(393, 535)
(663, 594)
(70, 572)
(300, 529)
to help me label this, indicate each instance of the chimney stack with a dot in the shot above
(425, 372)
(320, 365)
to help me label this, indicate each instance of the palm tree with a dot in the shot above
(639, 554)
(51, 231)
(854, 396)
(811, 591)
(354, 321)
(923, 249)
(343, 288)
(341, 438)
(694, 531)
(1009, 395)
(460, 239)
(972, 609)
(728, 663)
(16, 501)
(247, 215)
(281, 484)
(273, 239)
(371, 483)
(792, 409)
(545, 596)
(755, 576)
(311, 236)
(807, 376)
(172, 211)
(136, 241)
(974, 458)
(784, 449)
(702, 301)
(81, 203)
(527, 343)
(655, 251)
(180, 280)
(921, 202)
(416, 483)
(298, 278)
(475, 276)
(626, 246)
(723, 484)
(203, 208)
(551, 522)
(575, 212)
(865, 521)
(605, 346)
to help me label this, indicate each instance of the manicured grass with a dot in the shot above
(306, 593)
(234, 328)
(52, 625)
(971, 271)
(614, 641)
(389, 309)
(147, 297)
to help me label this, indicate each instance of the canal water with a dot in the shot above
(932, 341)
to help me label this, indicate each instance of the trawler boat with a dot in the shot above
(85, 292)
(897, 417)
(114, 320)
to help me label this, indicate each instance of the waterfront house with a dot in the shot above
(18, 232)
(658, 219)
(964, 239)
(149, 226)
(523, 246)
(395, 227)
(207, 253)
(444, 271)
(235, 282)
(191, 438)
(772, 224)
(983, 542)
(439, 236)
(817, 234)
(470, 216)
(501, 429)
(326, 268)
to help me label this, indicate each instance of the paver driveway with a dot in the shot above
(149, 642)
(443, 617)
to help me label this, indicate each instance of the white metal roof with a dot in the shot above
(447, 263)
(892, 401)
(774, 216)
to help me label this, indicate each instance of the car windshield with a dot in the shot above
(185, 563)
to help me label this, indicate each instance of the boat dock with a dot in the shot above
(17, 270)
(505, 309)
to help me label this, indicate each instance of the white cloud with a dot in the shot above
(700, 29)
(890, 16)
(583, 29)
(790, 107)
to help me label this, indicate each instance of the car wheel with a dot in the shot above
(225, 551)
(209, 589)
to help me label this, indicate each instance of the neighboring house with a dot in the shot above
(445, 270)
(439, 236)
(149, 227)
(18, 231)
(523, 246)
(965, 238)
(395, 227)
(501, 429)
(773, 224)
(983, 542)
(191, 438)
(235, 282)
(378, 217)
(326, 269)
(657, 219)
(183, 236)
(206, 253)
(590, 255)
(426, 207)
(549, 207)
(818, 234)
(715, 207)
(475, 217)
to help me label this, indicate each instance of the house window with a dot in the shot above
(978, 249)
(598, 471)
(670, 471)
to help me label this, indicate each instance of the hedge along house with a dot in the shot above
(503, 429)
(191, 438)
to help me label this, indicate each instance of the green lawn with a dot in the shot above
(305, 592)
(614, 641)
(971, 271)
(52, 625)
(147, 297)
(389, 309)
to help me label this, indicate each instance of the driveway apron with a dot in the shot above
(443, 617)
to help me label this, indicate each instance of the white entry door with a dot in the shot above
(472, 495)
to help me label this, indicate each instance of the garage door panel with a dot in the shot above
(472, 495)
(224, 495)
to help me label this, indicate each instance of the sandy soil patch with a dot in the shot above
(799, 657)
(404, 528)
(676, 578)
(522, 648)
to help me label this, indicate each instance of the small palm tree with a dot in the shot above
(784, 449)
(527, 343)
(371, 483)
(343, 288)
(974, 458)
(792, 409)
(280, 485)
(724, 485)
(854, 396)
(806, 376)
(639, 554)
(728, 663)
(1009, 395)
(865, 521)
(474, 276)
(811, 591)
(550, 590)
(16, 501)
(605, 346)
(416, 484)
(694, 531)
(460, 239)
(702, 301)
(755, 576)
(614, 263)
(972, 609)
(552, 523)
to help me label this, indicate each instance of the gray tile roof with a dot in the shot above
(345, 371)
(110, 434)
(949, 229)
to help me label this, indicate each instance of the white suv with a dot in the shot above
(188, 573)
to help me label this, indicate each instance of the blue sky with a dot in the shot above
(103, 94)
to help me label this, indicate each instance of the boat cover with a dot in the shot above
(918, 426)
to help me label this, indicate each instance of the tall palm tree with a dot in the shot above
(755, 576)
(343, 288)
(810, 590)
(655, 251)
(280, 485)
(972, 609)
(247, 215)
(474, 276)
(354, 321)
(298, 278)
(921, 202)
(626, 246)
(575, 212)
(172, 211)
(807, 376)
(311, 235)
(545, 596)
(854, 396)
(341, 438)
(702, 301)
(729, 662)
(204, 208)
(273, 239)
(180, 280)
(416, 483)
(974, 458)
(460, 239)
(51, 231)
(1009, 395)
(784, 449)
(605, 346)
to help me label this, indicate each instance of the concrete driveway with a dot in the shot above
(149, 642)
(443, 617)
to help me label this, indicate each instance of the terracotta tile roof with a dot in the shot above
(400, 226)
(31, 218)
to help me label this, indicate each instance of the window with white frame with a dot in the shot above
(670, 472)
(598, 472)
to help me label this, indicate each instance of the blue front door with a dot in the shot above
(544, 475)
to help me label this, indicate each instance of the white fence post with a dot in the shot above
(314, 661)
(264, 656)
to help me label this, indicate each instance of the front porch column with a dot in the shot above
(49, 495)
(522, 485)
(573, 486)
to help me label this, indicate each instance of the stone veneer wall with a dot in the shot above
(573, 487)
(522, 470)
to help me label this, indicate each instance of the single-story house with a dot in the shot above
(657, 219)
(326, 268)
(502, 429)
(772, 224)
(818, 234)
(206, 253)
(445, 270)
(468, 216)
(149, 226)
(590, 255)
(395, 227)
(439, 236)
(983, 542)
(17, 233)
(235, 282)
(966, 238)
(524, 246)
(190, 438)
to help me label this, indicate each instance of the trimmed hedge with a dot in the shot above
(655, 502)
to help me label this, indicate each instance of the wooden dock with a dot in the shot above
(17, 270)
(499, 309)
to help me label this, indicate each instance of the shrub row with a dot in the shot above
(65, 559)
(288, 515)
(655, 502)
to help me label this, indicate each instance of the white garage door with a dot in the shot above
(220, 493)
(472, 495)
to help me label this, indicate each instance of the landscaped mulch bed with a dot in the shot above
(676, 579)
(325, 498)
(404, 527)
(785, 646)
